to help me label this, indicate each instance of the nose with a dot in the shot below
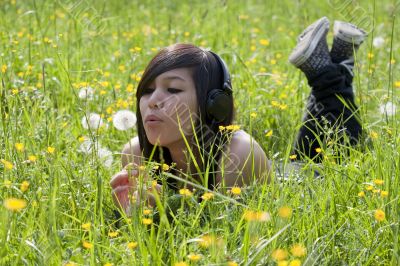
(156, 99)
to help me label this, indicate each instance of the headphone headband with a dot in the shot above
(226, 76)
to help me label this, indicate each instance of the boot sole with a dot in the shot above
(307, 45)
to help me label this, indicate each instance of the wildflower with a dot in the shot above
(87, 244)
(285, 212)
(298, 250)
(32, 158)
(264, 42)
(165, 167)
(14, 91)
(181, 263)
(147, 212)
(7, 165)
(256, 216)
(373, 135)
(384, 193)
(207, 196)
(369, 187)
(397, 84)
(232, 263)
(279, 254)
(51, 149)
(142, 168)
(92, 121)
(70, 263)
(318, 150)
(185, 192)
(86, 93)
(124, 119)
(147, 221)
(283, 263)
(132, 245)
(19, 146)
(388, 108)
(378, 181)
(233, 127)
(379, 215)
(113, 234)
(14, 204)
(295, 262)
(221, 128)
(105, 156)
(361, 194)
(370, 55)
(206, 241)
(253, 115)
(378, 42)
(194, 257)
(293, 156)
(3, 68)
(269, 133)
(236, 191)
(107, 264)
(24, 186)
(86, 226)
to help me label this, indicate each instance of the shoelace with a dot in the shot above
(349, 65)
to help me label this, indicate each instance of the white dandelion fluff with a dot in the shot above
(105, 156)
(86, 146)
(388, 108)
(124, 119)
(92, 121)
(86, 93)
(378, 42)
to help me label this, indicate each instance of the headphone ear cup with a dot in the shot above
(219, 104)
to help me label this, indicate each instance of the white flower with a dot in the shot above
(86, 93)
(124, 119)
(92, 121)
(378, 42)
(389, 108)
(86, 146)
(105, 156)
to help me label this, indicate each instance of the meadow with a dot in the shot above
(64, 60)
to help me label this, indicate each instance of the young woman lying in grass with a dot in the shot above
(185, 113)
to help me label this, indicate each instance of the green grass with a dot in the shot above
(49, 49)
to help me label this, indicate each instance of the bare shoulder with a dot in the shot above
(132, 153)
(243, 161)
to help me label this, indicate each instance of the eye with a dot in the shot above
(148, 91)
(173, 90)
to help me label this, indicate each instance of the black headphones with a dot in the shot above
(219, 100)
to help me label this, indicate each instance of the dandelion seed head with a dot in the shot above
(378, 42)
(86, 93)
(92, 121)
(388, 108)
(124, 120)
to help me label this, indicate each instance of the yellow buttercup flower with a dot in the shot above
(285, 212)
(113, 234)
(279, 254)
(132, 245)
(7, 165)
(236, 190)
(24, 186)
(207, 196)
(19, 146)
(379, 215)
(378, 181)
(86, 226)
(264, 42)
(147, 212)
(51, 150)
(194, 257)
(14, 204)
(87, 244)
(298, 250)
(361, 194)
(147, 221)
(384, 193)
(185, 192)
(32, 158)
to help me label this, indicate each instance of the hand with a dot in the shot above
(123, 184)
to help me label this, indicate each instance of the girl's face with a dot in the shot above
(169, 107)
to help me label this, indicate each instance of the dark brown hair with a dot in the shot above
(207, 75)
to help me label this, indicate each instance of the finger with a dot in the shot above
(121, 196)
(123, 178)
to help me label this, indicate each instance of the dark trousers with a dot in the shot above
(330, 113)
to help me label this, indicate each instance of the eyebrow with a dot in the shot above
(174, 77)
